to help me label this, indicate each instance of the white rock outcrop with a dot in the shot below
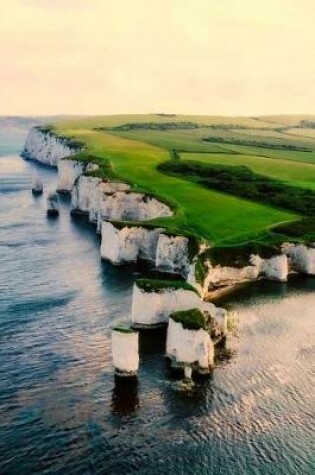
(128, 244)
(189, 347)
(221, 276)
(86, 196)
(172, 254)
(112, 201)
(123, 245)
(274, 268)
(69, 170)
(46, 147)
(217, 276)
(125, 352)
(301, 257)
(154, 308)
(89, 192)
(124, 206)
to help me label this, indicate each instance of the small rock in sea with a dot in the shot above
(37, 186)
(53, 205)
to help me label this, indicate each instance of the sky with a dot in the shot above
(215, 57)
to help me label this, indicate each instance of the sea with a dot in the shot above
(62, 411)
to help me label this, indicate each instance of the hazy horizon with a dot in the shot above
(93, 57)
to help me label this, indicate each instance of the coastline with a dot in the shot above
(65, 375)
(110, 205)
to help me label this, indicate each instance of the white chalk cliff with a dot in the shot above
(69, 170)
(86, 195)
(152, 308)
(172, 254)
(128, 244)
(189, 347)
(112, 201)
(123, 245)
(46, 147)
(130, 206)
(217, 276)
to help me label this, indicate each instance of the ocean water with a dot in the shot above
(61, 409)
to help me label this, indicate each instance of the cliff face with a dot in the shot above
(127, 245)
(122, 206)
(86, 196)
(89, 192)
(216, 276)
(172, 254)
(46, 148)
(68, 172)
(130, 243)
(154, 308)
(189, 347)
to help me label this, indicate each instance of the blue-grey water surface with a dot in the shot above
(62, 412)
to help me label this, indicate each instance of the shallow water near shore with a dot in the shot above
(61, 409)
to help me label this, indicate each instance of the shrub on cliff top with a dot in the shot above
(192, 319)
(241, 181)
(46, 129)
(156, 285)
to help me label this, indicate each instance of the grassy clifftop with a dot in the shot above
(135, 150)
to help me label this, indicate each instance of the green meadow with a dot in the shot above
(291, 172)
(135, 153)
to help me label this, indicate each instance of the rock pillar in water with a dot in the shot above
(189, 343)
(125, 351)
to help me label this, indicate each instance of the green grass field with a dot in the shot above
(215, 216)
(291, 172)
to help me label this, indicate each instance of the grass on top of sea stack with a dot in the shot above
(192, 319)
(159, 285)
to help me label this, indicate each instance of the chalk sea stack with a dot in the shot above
(188, 343)
(125, 350)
